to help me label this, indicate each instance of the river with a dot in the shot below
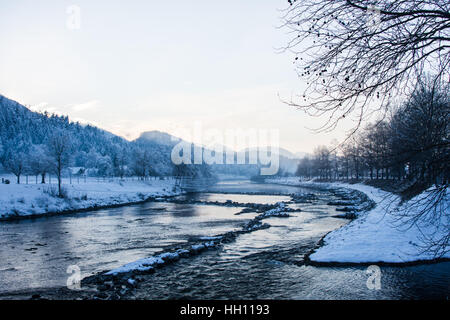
(264, 264)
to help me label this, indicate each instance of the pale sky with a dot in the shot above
(135, 66)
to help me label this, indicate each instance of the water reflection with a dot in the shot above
(40, 250)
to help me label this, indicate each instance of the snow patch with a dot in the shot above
(380, 234)
(21, 200)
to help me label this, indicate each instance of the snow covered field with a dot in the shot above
(35, 199)
(380, 235)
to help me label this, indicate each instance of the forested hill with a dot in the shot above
(22, 127)
(24, 137)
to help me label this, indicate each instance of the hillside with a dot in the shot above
(24, 137)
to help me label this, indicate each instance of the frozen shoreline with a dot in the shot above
(377, 235)
(19, 201)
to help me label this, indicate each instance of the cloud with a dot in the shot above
(85, 106)
(83, 121)
(44, 107)
(39, 107)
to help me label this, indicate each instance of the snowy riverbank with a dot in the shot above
(380, 235)
(25, 200)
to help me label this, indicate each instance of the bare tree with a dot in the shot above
(59, 146)
(39, 162)
(357, 55)
(322, 162)
(142, 163)
(15, 158)
(412, 145)
(183, 171)
(16, 163)
(119, 157)
(421, 132)
(305, 168)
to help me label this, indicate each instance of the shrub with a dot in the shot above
(42, 202)
(53, 192)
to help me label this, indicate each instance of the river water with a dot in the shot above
(264, 264)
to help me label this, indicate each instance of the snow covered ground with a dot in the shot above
(35, 199)
(150, 263)
(381, 234)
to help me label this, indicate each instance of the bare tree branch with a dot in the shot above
(356, 56)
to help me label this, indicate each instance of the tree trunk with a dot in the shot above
(59, 178)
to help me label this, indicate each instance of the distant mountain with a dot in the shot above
(301, 155)
(286, 153)
(159, 138)
(288, 161)
(281, 151)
